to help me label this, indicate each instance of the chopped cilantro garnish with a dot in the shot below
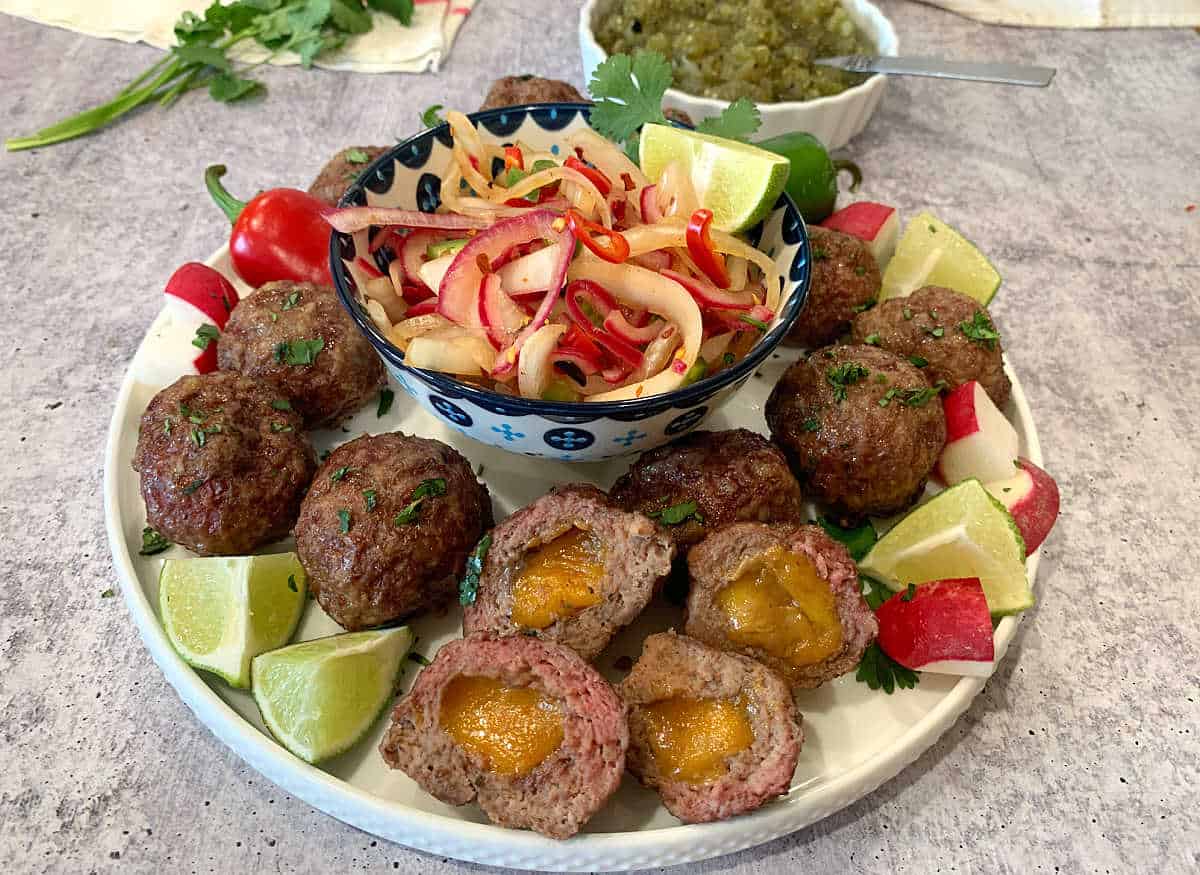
(152, 542)
(921, 397)
(343, 521)
(862, 308)
(750, 320)
(279, 427)
(979, 329)
(430, 117)
(909, 593)
(412, 511)
(860, 271)
(340, 473)
(281, 404)
(292, 583)
(199, 438)
(205, 335)
(872, 339)
(907, 313)
(298, 352)
(370, 497)
(193, 486)
(468, 587)
(858, 540)
(290, 301)
(728, 359)
(842, 376)
(811, 424)
(819, 254)
(936, 331)
(677, 513)
(918, 361)
(386, 397)
(356, 156)
(107, 594)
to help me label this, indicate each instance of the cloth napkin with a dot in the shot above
(1078, 13)
(387, 47)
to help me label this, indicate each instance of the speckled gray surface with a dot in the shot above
(1080, 755)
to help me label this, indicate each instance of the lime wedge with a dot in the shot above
(962, 532)
(219, 613)
(320, 697)
(931, 253)
(738, 182)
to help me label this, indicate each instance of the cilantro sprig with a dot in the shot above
(879, 671)
(203, 57)
(628, 92)
(468, 587)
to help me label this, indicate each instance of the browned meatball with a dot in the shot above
(341, 170)
(222, 469)
(732, 476)
(845, 278)
(516, 90)
(374, 549)
(861, 427)
(298, 337)
(944, 333)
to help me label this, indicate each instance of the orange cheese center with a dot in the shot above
(511, 729)
(778, 603)
(692, 739)
(558, 580)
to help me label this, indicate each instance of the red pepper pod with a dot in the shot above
(700, 247)
(595, 177)
(604, 242)
(280, 234)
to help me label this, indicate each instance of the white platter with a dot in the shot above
(855, 739)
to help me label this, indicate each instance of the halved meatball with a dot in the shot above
(783, 594)
(943, 332)
(525, 727)
(845, 278)
(298, 337)
(517, 90)
(716, 734)
(222, 469)
(729, 475)
(861, 427)
(569, 568)
(341, 170)
(387, 527)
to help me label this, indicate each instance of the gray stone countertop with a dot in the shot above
(1081, 753)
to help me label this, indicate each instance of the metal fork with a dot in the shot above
(1003, 74)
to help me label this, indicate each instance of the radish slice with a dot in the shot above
(942, 626)
(206, 362)
(648, 204)
(708, 295)
(535, 367)
(412, 253)
(641, 288)
(351, 219)
(434, 271)
(530, 273)
(204, 289)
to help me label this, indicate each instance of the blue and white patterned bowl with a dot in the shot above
(408, 176)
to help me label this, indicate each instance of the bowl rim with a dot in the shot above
(519, 405)
(888, 44)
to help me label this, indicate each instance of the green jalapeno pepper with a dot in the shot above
(813, 179)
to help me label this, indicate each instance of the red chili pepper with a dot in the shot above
(598, 300)
(513, 158)
(700, 247)
(589, 233)
(627, 181)
(279, 234)
(597, 178)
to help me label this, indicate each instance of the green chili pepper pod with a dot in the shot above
(812, 182)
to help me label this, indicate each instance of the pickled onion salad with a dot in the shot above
(564, 277)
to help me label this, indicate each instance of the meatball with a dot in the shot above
(341, 170)
(861, 427)
(678, 682)
(785, 595)
(554, 734)
(298, 337)
(223, 470)
(943, 332)
(845, 279)
(387, 527)
(730, 475)
(516, 90)
(569, 568)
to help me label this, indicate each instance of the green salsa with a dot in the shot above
(760, 49)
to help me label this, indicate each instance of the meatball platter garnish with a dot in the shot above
(868, 524)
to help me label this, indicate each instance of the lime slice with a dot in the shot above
(931, 253)
(220, 613)
(320, 697)
(738, 182)
(962, 532)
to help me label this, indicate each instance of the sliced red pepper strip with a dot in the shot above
(598, 179)
(598, 299)
(589, 233)
(700, 247)
(513, 158)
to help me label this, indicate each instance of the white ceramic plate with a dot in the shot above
(855, 739)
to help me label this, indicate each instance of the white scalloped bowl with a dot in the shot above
(833, 120)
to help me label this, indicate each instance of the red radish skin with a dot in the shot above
(413, 250)
(960, 412)
(980, 442)
(204, 289)
(945, 622)
(649, 205)
(1033, 500)
(708, 295)
(351, 219)
(206, 362)
(878, 225)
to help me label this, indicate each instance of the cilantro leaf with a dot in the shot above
(858, 540)
(879, 671)
(344, 521)
(980, 329)
(874, 592)
(208, 56)
(628, 94)
(677, 513)
(401, 10)
(430, 117)
(736, 122)
(468, 587)
(842, 376)
(298, 352)
(411, 513)
(349, 16)
(356, 156)
(152, 542)
(228, 88)
(386, 397)
(205, 335)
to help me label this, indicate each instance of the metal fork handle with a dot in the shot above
(1007, 74)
